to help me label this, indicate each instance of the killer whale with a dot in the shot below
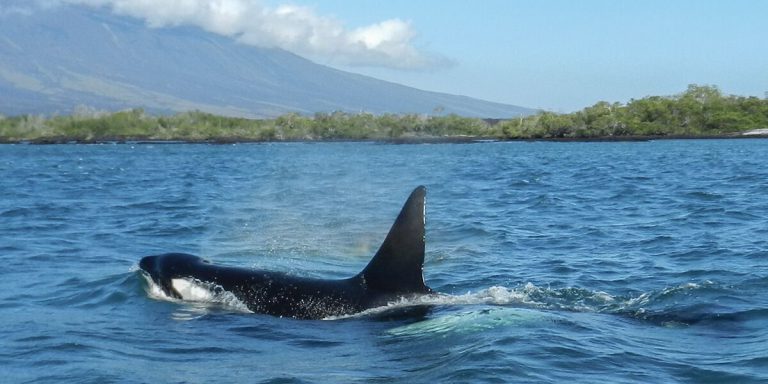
(395, 271)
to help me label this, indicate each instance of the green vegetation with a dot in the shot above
(699, 111)
(200, 126)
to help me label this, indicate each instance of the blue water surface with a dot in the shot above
(560, 262)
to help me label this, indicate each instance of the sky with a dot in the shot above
(556, 55)
(567, 55)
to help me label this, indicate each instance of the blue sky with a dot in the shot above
(565, 55)
(551, 54)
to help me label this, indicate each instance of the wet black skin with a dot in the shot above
(394, 272)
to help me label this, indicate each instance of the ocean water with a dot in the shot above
(640, 262)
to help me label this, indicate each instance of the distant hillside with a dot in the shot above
(65, 56)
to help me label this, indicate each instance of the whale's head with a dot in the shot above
(147, 264)
(162, 269)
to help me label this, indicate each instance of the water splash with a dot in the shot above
(202, 296)
(680, 305)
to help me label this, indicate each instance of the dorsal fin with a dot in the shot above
(397, 266)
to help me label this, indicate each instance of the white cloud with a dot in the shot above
(24, 8)
(299, 29)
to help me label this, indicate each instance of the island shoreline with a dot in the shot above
(394, 141)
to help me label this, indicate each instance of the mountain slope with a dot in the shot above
(55, 59)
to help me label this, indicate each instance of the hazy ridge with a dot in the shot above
(56, 59)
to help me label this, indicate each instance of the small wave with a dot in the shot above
(686, 304)
(471, 321)
(681, 305)
(17, 212)
(78, 292)
(704, 195)
(650, 298)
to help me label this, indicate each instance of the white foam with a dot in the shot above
(494, 296)
(197, 292)
(192, 290)
(154, 291)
